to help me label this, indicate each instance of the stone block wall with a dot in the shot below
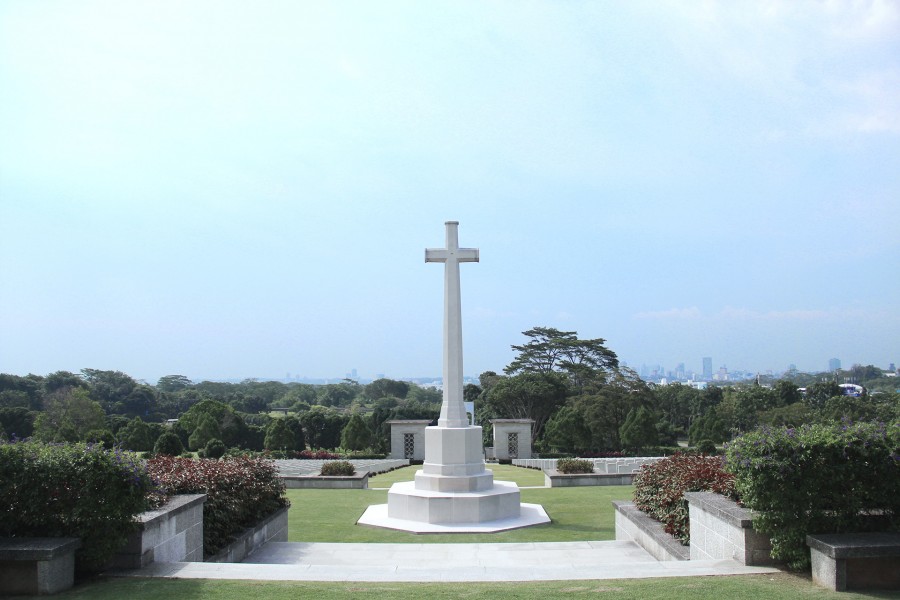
(722, 529)
(172, 533)
(274, 528)
(634, 525)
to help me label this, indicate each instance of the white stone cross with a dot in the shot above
(453, 411)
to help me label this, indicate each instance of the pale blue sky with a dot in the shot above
(235, 189)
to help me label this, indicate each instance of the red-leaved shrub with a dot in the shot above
(659, 488)
(240, 491)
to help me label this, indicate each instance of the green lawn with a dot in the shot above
(522, 476)
(780, 586)
(577, 514)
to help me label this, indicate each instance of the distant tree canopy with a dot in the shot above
(68, 415)
(575, 390)
(551, 350)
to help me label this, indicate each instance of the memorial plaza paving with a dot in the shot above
(545, 561)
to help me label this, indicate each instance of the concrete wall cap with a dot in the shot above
(856, 545)
(33, 548)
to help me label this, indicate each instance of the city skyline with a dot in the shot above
(226, 190)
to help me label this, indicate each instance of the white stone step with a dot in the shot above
(539, 561)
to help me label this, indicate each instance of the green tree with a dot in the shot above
(25, 392)
(339, 394)
(278, 436)
(639, 429)
(296, 428)
(819, 393)
(551, 350)
(61, 380)
(356, 434)
(207, 429)
(707, 427)
(323, 427)
(141, 401)
(110, 388)
(566, 431)
(386, 388)
(17, 421)
(231, 428)
(136, 436)
(69, 414)
(173, 383)
(529, 395)
(169, 444)
(423, 395)
(104, 437)
(787, 392)
(214, 449)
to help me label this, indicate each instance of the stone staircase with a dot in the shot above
(435, 562)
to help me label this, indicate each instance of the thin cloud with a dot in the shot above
(672, 313)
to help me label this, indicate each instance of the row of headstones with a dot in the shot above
(512, 439)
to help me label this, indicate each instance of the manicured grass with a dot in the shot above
(577, 514)
(780, 586)
(521, 476)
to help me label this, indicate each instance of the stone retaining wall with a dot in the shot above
(557, 479)
(722, 529)
(360, 481)
(634, 525)
(299, 467)
(171, 533)
(273, 528)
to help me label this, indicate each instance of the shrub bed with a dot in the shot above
(337, 468)
(72, 490)
(826, 478)
(659, 488)
(571, 466)
(240, 492)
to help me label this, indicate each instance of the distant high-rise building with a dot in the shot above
(834, 365)
(707, 367)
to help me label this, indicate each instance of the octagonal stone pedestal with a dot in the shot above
(454, 492)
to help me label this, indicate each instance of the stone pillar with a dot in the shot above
(512, 438)
(401, 430)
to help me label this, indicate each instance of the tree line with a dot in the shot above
(581, 399)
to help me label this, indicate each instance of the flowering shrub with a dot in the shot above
(574, 465)
(240, 492)
(338, 467)
(72, 490)
(316, 455)
(827, 478)
(659, 488)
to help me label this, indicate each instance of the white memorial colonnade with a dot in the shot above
(453, 492)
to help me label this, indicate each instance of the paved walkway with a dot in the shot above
(545, 561)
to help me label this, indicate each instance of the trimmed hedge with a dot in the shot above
(241, 491)
(338, 468)
(826, 478)
(571, 466)
(72, 490)
(659, 488)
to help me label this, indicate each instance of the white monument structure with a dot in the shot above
(453, 492)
